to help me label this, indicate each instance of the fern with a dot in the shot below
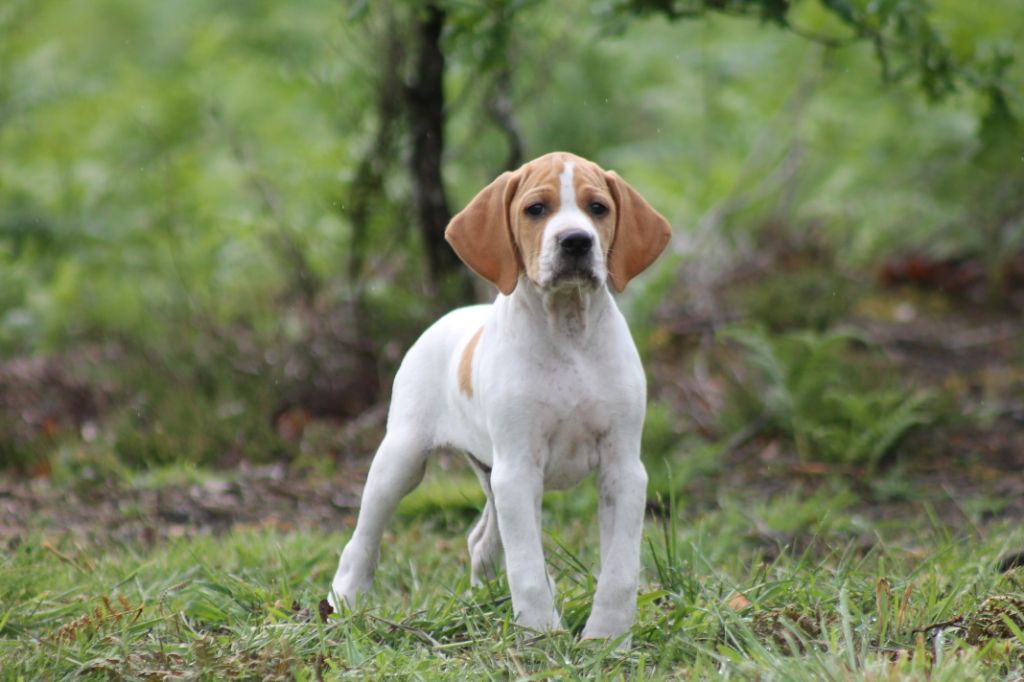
(805, 386)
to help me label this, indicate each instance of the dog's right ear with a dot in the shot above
(481, 234)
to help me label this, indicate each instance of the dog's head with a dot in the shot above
(562, 221)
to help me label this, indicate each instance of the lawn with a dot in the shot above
(814, 583)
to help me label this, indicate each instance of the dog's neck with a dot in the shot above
(569, 313)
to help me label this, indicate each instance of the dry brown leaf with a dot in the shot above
(737, 601)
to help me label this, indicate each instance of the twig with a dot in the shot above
(425, 636)
(70, 560)
(956, 622)
(814, 37)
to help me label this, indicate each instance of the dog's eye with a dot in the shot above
(597, 209)
(536, 210)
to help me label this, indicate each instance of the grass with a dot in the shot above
(790, 587)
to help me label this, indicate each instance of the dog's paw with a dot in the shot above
(346, 592)
(541, 621)
(622, 645)
(611, 627)
(340, 601)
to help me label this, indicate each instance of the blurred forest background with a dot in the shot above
(220, 223)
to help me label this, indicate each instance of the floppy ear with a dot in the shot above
(641, 233)
(482, 236)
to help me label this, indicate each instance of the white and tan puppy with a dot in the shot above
(539, 389)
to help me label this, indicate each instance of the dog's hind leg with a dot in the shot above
(484, 540)
(396, 470)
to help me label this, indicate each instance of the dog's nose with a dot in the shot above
(575, 243)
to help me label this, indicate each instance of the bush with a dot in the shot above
(835, 407)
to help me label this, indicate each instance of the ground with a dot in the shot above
(759, 561)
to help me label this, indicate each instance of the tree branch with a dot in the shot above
(499, 106)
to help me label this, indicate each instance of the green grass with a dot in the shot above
(827, 593)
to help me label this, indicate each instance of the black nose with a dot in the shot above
(575, 243)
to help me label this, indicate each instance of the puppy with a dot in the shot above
(540, 388)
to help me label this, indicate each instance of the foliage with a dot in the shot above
(216, 191)
(672, 457)
(908, 37)
(811, 298)
(805, 386)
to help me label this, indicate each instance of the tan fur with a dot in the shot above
(640, 233)
(497, 239)
(466, 364)
(480, 234)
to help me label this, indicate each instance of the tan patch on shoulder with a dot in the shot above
(466, 365)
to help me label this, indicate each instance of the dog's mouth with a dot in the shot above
(562, 271)
(575, 276)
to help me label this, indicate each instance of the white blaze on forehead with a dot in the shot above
(568, 217)
(568, 190)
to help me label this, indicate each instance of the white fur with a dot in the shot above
(558, 392)
(568, 217)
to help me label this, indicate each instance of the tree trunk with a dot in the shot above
(426, 124)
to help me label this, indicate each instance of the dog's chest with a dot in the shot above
(577, 408)
(571, 448)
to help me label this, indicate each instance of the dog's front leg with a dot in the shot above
(623, 494)
(518, 487)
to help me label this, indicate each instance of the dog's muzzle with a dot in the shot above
(575, 260)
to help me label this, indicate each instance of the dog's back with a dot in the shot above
(424, 390)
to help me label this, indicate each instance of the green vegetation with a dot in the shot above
(830, 405)
(716, 601)
(218, 202)
(220, 228)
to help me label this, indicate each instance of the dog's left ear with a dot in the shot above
(641, 233)
(482, 236)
